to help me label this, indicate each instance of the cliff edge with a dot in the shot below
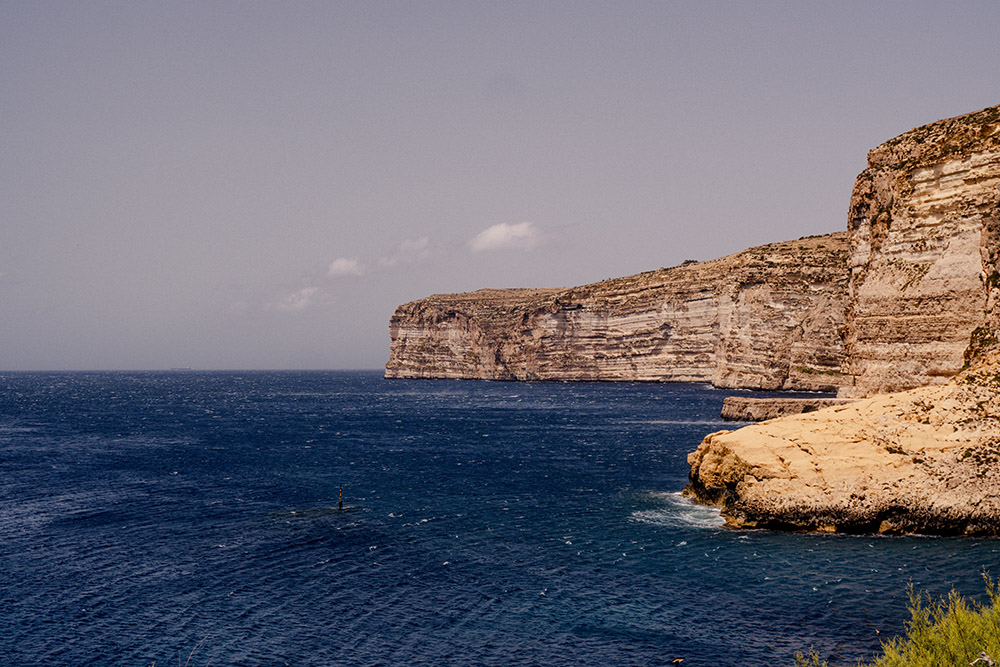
(771, 317)
(925, 278)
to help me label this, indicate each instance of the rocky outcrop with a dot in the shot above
(926, 460)
(747, 409)
(924, 223)
(767, 318)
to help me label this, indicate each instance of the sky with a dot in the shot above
(257, 185)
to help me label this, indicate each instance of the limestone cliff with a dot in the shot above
(925, 241)
(767, 318)
(922, 222)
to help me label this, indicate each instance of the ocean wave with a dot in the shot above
(678, 511)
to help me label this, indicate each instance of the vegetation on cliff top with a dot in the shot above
(962, 135)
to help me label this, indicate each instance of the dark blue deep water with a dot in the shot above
(170, 517)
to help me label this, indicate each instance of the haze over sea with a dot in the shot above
(144, 516)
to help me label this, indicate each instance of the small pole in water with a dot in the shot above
(340, 503)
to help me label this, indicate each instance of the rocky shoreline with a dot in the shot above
(922, 461)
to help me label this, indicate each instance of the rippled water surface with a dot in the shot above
(160, 516)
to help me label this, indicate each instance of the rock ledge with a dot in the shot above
(921, 461)
(747, 409)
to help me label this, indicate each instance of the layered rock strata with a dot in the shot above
(746, 409)
(924, 223)
(767, 318)
(921, 222)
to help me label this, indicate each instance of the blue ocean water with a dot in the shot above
(167, 517)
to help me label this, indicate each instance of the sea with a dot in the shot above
(194, 518)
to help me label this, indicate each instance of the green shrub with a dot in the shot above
(942, 633)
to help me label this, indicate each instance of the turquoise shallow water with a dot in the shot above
(146, 515)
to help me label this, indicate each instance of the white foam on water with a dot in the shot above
(679, 511)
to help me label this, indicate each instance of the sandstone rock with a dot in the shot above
(748, 409)
(925, 242)
(926, 460)
(767, 318)
(922, 223)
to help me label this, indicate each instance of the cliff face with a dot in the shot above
(922, 223)
(925, 282)
(767, 318)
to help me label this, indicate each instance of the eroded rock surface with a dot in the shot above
(751, 409)
(924, 289)
(922, 220)
(770, 317)
(926, 460)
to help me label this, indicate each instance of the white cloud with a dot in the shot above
(345, 266)
(410, 250)
(297, 301)
(522, 236)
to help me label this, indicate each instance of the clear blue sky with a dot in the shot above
(258, 184)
